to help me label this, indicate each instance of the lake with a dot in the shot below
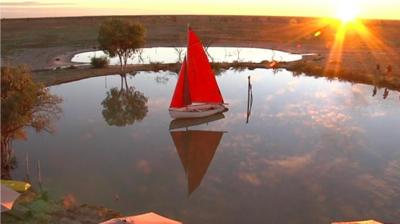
(305, 150)
(215, 54)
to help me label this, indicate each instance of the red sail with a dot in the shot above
(196, 82)
(202, 83)
(181, 96)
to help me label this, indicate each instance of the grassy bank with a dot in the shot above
(378, 78)
(305, 67)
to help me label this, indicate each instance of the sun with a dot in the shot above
(347, 14)
(347, 11)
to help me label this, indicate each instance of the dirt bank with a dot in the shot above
(43, 43)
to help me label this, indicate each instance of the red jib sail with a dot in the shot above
(196, 82)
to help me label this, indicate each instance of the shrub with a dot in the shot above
(100, 62)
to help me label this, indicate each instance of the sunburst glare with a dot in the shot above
(347, 11)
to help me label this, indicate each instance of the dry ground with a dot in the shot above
(38, 42)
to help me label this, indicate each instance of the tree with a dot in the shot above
(179, 51)
(23, 104)
(125, 106)
(121, 38)
(207, 41)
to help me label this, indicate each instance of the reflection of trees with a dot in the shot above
(163, 78)
(23, 104)
(124, 106)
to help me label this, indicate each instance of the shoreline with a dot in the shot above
(355, 61)
(305, 66)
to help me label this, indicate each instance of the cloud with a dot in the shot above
(330, 117)
(158, 104)
(378, 114)
(33, 3)
(293, 162)
(250, 178)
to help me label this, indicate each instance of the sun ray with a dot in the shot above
(335, 55)
(352, 35)
(369, 53)
(305, 32)
(383, 53)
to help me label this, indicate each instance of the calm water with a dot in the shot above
(218, 54)
(313, 151)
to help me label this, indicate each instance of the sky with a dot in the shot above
(373, 9)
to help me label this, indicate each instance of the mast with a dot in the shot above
(186, 90)
(186, 94)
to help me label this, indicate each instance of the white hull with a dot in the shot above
(194, 111)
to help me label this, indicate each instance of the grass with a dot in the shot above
(311, 68)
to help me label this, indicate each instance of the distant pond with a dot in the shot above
(216, 54)
(292, 149)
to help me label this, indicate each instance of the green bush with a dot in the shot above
(100, 62)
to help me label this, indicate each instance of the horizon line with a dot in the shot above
(233, 15)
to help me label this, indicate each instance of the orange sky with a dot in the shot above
(378, 9)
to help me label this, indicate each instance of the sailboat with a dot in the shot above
(196, 93)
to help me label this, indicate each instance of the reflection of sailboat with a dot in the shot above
(196, 148)
(188, 122)
(196, 93)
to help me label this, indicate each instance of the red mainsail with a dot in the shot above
(196, 82)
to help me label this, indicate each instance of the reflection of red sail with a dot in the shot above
(196, 83)
(196, 150)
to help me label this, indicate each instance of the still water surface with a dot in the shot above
(311, 151)
(216, 54)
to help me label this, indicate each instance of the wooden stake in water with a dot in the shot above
(249, 99)
(27, 174)
(39, 174)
